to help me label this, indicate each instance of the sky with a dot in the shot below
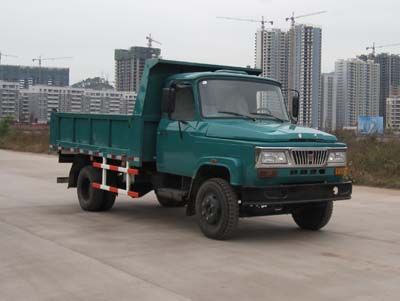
(90, 30)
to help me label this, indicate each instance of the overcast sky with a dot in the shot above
(90, 30)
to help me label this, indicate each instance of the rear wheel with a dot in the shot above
(217, 209)
(313, 216)
(91, 199)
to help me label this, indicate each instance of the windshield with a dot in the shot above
(241, 99)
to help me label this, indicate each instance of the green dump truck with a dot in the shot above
(216, 139)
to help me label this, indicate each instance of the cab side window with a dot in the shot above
(184, 104)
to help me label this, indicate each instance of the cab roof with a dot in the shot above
(218, 73)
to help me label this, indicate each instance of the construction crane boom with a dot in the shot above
(40, 59)
(151, 40)
(374, 47)
(262, 21)
(6, 55)
(293, 18)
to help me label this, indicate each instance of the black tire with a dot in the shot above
(217, 209)
(313, 216)
(108, 201)
(165, 202)
(91, 199)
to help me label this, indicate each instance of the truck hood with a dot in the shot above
(265, 131)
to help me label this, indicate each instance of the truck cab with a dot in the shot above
(224, 143)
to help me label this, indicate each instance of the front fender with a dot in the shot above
(233, 165)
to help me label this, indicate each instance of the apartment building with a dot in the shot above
(9, 95)
(36, 103)
(393, 112)
(357, 90)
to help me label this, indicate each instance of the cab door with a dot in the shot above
(175, 135)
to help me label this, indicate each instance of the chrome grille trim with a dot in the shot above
(309, 157)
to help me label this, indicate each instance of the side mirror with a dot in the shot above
(168, 100)
(295, 105)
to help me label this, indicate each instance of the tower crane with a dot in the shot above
(6, 55)
(39, 59)
(374, 47)
(150, 40)
(293, 18)
(262, 21)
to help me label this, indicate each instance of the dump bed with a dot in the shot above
(130, 136)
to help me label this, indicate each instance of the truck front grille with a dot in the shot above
(307, 158)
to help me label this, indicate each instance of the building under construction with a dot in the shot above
(129, 66)
(28, 76)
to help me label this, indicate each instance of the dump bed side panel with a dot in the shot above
(112, 135)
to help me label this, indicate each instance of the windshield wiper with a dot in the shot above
(269, 115)
(237, 114)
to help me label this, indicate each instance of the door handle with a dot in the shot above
(162, 133)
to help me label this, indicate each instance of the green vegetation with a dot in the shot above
(95, 83)
(5, 126)
(373, 161)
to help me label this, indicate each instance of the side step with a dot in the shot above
(61, 180)
(174, 194)
(126, 170)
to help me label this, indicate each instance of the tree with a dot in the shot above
(95, 83)
(5, 126)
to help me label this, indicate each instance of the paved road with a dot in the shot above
(50, 249)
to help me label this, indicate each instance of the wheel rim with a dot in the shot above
(85, 188)
(211, 209)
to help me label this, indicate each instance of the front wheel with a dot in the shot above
(217, 209)
(313, 216)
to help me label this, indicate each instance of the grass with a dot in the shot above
(35, 141)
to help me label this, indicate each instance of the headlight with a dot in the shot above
(337, 158)
(273, 157)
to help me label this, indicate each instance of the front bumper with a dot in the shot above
(296, 193)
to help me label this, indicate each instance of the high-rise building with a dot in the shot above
(389, 77)
(129, 66)
(271, 54)
(28, 76)
(393, 113)
(357, 85)
(327, 106)
(306, 71)
(294, 58)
